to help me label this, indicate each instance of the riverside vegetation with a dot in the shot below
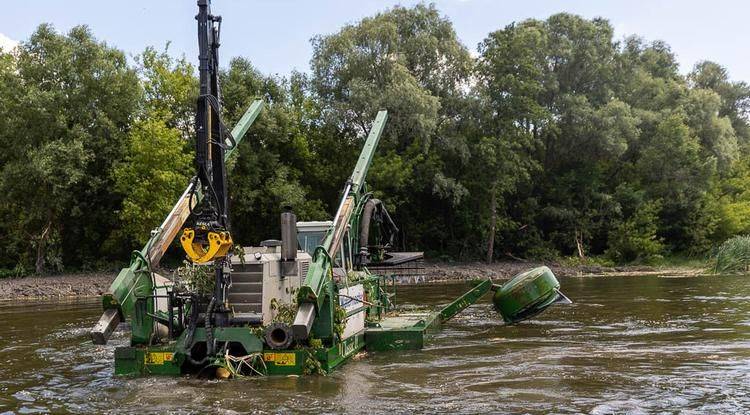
(554, 140)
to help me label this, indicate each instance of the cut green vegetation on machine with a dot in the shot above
(276, 309)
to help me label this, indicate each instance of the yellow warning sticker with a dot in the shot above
(157, 358)
(281, 359)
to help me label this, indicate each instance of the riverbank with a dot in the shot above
(94, 284)
(441, 271)
(55, 286)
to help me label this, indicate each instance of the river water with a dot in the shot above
(626, 345)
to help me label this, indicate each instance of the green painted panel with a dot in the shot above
(146, 361)
(380, 340)
(469, 298)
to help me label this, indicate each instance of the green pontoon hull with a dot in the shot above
(522, 297)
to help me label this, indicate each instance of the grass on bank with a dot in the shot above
(733, 256)
(661, 262)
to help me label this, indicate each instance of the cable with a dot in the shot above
(191, 328)
(216, 106)
(209, 332)
(195, 182)
(209, 328)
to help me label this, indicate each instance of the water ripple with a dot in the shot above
(627, 345)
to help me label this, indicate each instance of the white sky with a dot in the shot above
(7, 43)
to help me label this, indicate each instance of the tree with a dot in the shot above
(170, 89)
(552, 81)
(512, 76)
(69, 94)
(673, 171)
(157, 160)
(716, 134)
(735, 96)
(268, 171)
(635, 239)
(152, 176)
(410, 62)
(40, 186)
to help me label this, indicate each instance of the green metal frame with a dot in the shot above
(168, 359)
(128, 294)
(313, 288)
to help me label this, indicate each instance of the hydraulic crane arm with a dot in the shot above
(313, 290)
(135, 280)
(209, 237)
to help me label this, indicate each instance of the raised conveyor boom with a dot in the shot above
(312, 292)
(135, 280)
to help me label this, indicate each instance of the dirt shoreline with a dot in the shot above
(87, 285)
(442, 271)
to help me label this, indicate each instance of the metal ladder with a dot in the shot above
(246, 293)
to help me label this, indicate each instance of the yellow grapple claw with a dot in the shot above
(219, 244)
(226, 243)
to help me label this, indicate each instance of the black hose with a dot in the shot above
(364, 227)
(194, 182)
(216, 105)
(374, 208)
(209, 333)
(192, 323)
(213, 193)
(209, 328)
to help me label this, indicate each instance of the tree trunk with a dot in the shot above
(41, 248)
(579, 245)
(493, 225)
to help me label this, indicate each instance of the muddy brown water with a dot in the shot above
(627, 345)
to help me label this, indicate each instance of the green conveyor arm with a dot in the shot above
(469, 298)
(135, 281)
(311, 294)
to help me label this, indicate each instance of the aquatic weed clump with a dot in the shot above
(198, 278)
(733, 256)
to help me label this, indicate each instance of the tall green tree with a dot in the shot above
(268, 171)
(170, 89)
(157, 160)
(40, 188)
(155, 171)
(68, 112)
(410, 62)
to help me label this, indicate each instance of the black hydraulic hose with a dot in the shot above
(192, 323)
(389, 220)
(194, 182)
(215, 104)
(209, 328)
(375, 207)
(213, 193)
(209, 333)
(211, 190)
(364, 227)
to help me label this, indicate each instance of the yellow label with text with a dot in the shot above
(157, 358)
(281, 359)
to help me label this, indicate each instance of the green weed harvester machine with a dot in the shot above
(274, 309)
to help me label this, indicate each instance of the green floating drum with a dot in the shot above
(527, 294)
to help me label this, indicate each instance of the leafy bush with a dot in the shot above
(17, 272)
(635, 239)
(576, 261)
(198, 278)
